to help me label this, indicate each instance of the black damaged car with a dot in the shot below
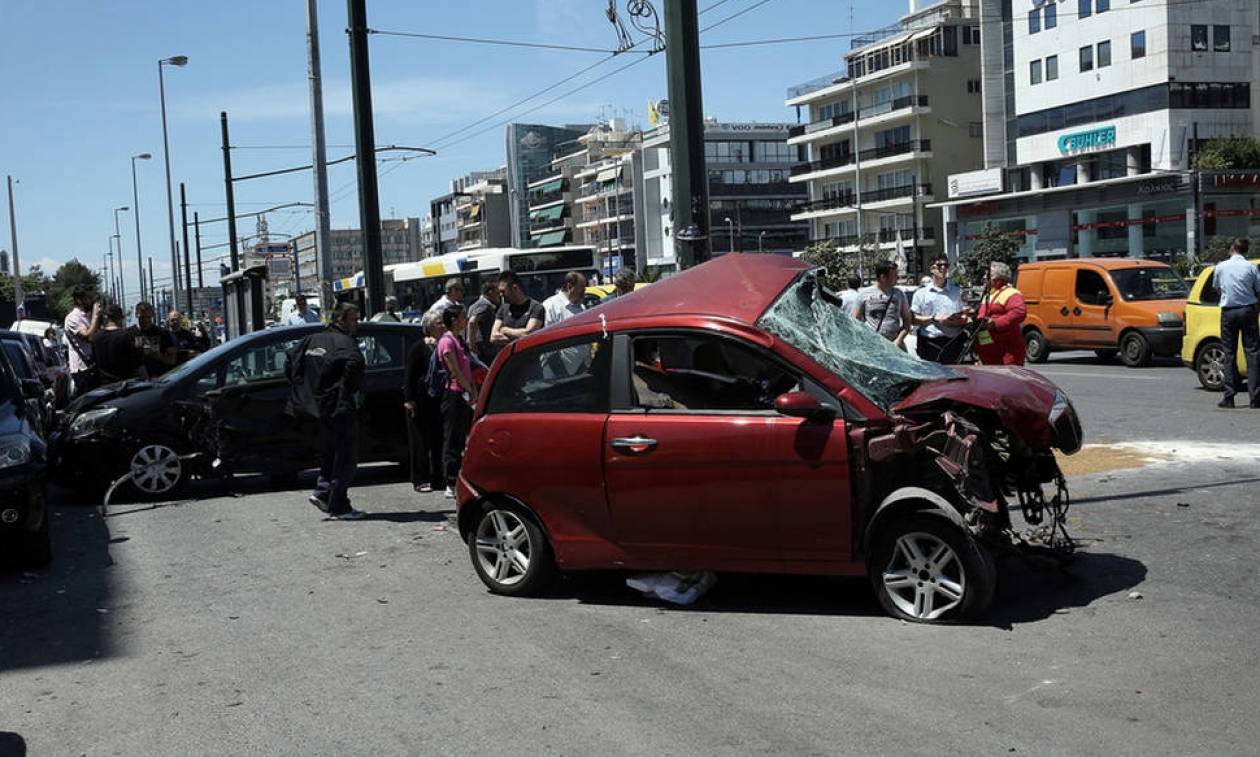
(24, 531)
(223, 412)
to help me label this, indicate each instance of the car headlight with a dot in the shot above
(14, 451)
(1060, 406)
(1168, 319)
(92, 420)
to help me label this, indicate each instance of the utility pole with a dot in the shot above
(183, 214)
(152, 291)
(231, 215)
(365, 147)
(323, 242)
(17, 265)
(689, 178)
(197, 233)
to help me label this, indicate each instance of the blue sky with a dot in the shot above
(79, 97)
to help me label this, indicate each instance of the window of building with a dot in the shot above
(1052, 67)
(892, 137)
(1034, 72)
(894, 180)
(1220, 38)
(1137, 45)
(1050, 15)
(1083, 8)
(975, 129)
(837, 189)
(973, 86)
(1104, 54)
(1087, 59)
(949, 41)
(1034, 20)
(1102, 5)
(1199, 38)
(971, 35)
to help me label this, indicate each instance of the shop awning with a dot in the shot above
(608, 174)
(474, 212)
(547, 214)
(552, 186)
(550, 239)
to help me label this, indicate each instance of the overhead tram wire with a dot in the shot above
(500, 42)
(734, 15)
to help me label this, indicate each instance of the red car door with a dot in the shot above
(701, 470)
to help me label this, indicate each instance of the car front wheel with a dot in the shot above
(1210, 366)
(1135, 351)
(156, 469)
(1036, 348)
(509, 551)
(927, 570)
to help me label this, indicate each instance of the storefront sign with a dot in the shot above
(1087, 140)
(1160, 187)
(986, 181)
(1240, 181)
(1125, 222)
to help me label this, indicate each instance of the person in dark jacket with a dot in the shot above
(325, 371)
(424, 412)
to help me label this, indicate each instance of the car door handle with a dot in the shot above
(1063, 311)
(633, 445)
(1076, 311)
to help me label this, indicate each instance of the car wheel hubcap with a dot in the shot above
(504, 549)
(1212, 366)
(924, 578)
(155, 469)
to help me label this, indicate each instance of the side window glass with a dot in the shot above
(1210, 295)
(382, 351)
(569, 377)
(208, 382)
(698, 373)
(1091, 288)
(262, 363)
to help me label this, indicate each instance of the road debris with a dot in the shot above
(1135, 595)
(677, 588)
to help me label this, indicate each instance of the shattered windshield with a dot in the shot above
(812, 320)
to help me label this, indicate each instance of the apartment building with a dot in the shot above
(1093, 113)
(400, 243)
(482, 215)
(883, 134)
(530, 150)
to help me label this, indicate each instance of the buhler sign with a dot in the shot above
(1087, 140)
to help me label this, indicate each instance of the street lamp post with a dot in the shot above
(730, 230)
(761, 241)
(135, 203)
(178, 60)
(18, 298)
(122, 287)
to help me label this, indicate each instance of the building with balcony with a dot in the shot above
(530, 150)
(400, 243)
(1091, 124)
(482, 216)
(882, 136)
(550, 210)
(750, 198)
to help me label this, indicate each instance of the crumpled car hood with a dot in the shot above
(1021, 398)
(106, 393)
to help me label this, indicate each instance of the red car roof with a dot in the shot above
(736, 286)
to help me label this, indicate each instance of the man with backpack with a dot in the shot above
(423, 406)
(325, 372)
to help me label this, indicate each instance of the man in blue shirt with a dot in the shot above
(1238, 281)
(940, 316)
(301, 312)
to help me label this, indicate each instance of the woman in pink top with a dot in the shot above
(461, 393)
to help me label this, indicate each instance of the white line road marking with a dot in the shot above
(1052, 374)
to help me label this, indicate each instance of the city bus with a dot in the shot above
(418, 285)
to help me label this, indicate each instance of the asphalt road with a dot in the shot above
(243, 623)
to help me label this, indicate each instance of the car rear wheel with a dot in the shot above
(1036, 348)
(927, 570)
(156, 469)
(1210, 366)
(1135, 351)
(509, 551)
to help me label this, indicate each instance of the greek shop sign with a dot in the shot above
(1087, 140)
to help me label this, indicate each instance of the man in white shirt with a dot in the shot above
(454, 296)
(1239, 284)
(81, 325)
(568, 301)
(940, 316)
(389, 314)
(850, 297)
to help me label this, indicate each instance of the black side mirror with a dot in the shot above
(32, 389)
(802, 405)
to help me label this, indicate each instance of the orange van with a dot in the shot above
(1127, 305)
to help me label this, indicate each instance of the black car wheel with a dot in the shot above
(1135, 351)
(1036, 348)
(509, 551)
(1209, 364)
(926, 569)
(156, 469)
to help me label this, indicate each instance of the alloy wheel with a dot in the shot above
(1212, 366)
(504, 548)
(924, 578)
(156, 469)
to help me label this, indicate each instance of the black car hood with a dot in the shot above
(106, 393)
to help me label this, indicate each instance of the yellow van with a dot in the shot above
(1127, 305)
(1202, 351)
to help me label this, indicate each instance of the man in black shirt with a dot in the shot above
(481, 317)
(114, 348)
(519, 315)
(153, 342)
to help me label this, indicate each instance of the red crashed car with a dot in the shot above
(735, 418)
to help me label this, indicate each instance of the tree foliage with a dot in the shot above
(63, 282)
(1228, 154)
(993, 246)
(33, 281)
(826, 254)
(1217, 248)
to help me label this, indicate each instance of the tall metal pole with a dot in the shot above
(152, 291)
(689, 180)
(319, 159)
(365, 147)
(183, 215)
(122, 286)
(231, 219)
(135, 206)
(18, 298)
(197, 236)
(170, 204)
